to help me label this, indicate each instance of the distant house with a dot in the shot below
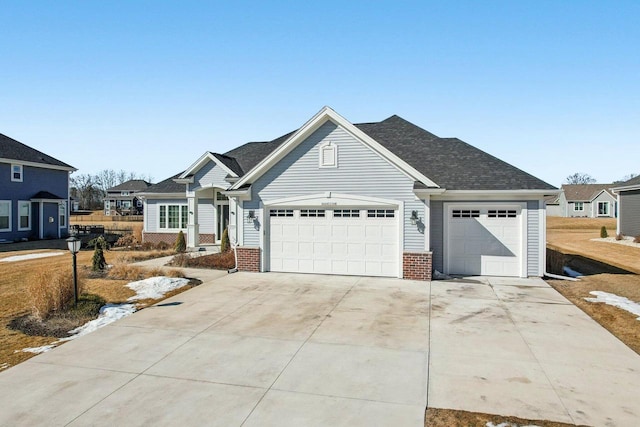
(123, 199)
(34, 193)
(552, 204)
(628, 194)
(587, 200)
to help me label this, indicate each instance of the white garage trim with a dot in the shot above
(330, 202)
(482, 209)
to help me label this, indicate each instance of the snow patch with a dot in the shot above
(616, 301)
(508, 424)
(4, 366)
(155, 287)
(30, 256)
(626, 240)
(109, 313)
(38, 350)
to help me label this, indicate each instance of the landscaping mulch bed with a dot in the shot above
(453, 418)
(219, 261)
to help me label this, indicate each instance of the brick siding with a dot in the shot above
(248, 258)
(417, 265)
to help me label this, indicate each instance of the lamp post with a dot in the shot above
(74, 246)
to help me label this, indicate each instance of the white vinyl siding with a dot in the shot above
(24, 215)
(533, 238)
(209, 174)
(5, 215)
(206, 216)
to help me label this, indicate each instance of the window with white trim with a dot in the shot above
(5, 215)
(312, 213)
(62, 215)
(281, 212)
(173, 217)
(16, 173)
(328, 155)
(124, 193)
(603, 208)
(381, 213)
(465, 213)
(494, 213)
(578, 206)
(346, 213)
(24, 215)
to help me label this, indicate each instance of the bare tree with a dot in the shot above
(580, 178)
(626, 178)
(84, 188)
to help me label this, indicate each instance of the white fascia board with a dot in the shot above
(244, 194)
(46, 200)
(330, 199)
(428, 192)
(627, 188)
(207, 156)
(184, 180)
(311, 126)
(494, 194)
(38, 165)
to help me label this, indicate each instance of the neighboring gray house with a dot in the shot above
(553, 207)
(372, 199)
(123, 199)
(34, 193)
(628, 194)
(587, 200)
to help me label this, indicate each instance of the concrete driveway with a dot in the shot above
(245, 349)
(305, 350)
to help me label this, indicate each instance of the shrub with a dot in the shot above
(224, 241)
(137, 232)
(637, 239)
(98, 263)
(147, 246)
(127, 241)
(619, 236)
(53, 292)
(162, 246)
(603, 232)
(220, 261)
(181, 245)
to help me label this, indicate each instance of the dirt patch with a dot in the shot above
(619, 322)
(452, 418)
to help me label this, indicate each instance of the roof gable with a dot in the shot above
(324, 115)
(167, 186)
(223, 161)
(12, 150)
(584, 192)
(131, 185)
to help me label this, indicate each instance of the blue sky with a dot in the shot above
(552, 87)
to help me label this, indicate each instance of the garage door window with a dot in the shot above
(281, 212)
(312, 213)
(501, 214)
(346, 213)
(381, 213)
(465, 213)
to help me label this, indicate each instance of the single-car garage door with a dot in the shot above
(484, 240)
(361, 242)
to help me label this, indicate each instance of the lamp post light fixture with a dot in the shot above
(74, 247)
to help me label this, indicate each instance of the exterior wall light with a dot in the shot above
(414, 217)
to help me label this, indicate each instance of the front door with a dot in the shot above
(223, 220)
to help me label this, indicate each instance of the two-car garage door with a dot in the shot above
(334, 241)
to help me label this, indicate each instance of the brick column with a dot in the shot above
(248, 258)
(417, 265)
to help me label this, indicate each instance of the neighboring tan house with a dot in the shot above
(34, 193)
(123, 199)
(588, 200)
(628, 193)
(372, 199)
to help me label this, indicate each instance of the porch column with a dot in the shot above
(193, 231)
(427, 223)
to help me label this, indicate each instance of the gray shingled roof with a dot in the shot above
(449, 162)
(15, 150)
(167, 186)
(584, 192)
(632, 181)
(131, 185)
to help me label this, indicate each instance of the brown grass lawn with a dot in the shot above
(14, 300)
(573, 236)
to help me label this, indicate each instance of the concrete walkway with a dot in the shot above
(289, 350)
